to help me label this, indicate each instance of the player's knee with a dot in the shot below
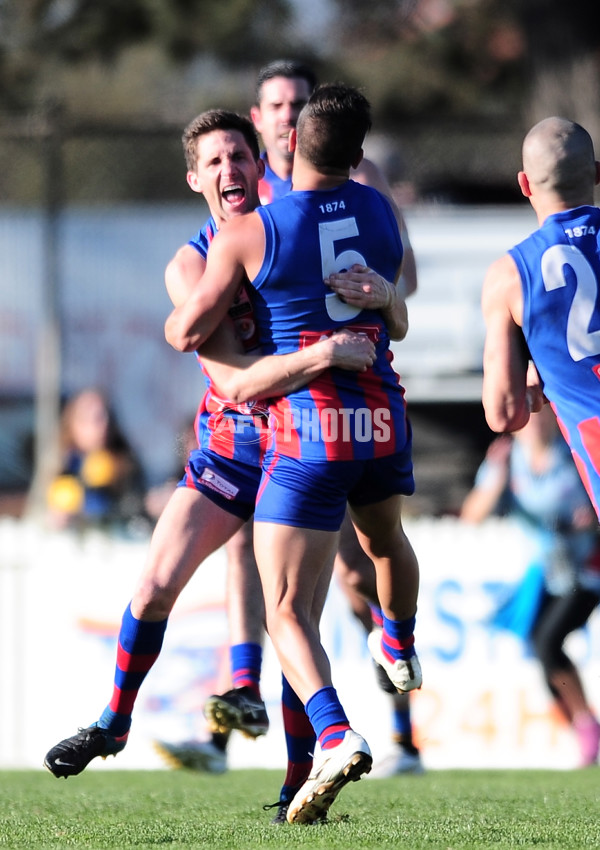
(286, 613)
(240, 551)
(153, 600)
(355, 580)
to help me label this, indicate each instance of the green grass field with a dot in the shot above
(114, 810)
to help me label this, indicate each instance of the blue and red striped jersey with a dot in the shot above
(559, 265)
(236, 431)
(342, 415)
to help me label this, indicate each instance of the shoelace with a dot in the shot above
(85, 733)
(278, 804)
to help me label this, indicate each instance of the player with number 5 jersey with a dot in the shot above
(341, 415)
(544, 292)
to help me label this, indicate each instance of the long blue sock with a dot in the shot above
(398, 640)
(299, 739)
(139, 646)
(246, 665)
(328, 718)
(376, 615)
(401, 723)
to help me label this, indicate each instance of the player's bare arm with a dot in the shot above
(237, 250)
(505, 358)
(241, 377)
(183, 273)
(407, 282)
(364, 288)
(370, 174)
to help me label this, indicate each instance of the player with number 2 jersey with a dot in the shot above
(559, 266)
(544, 292)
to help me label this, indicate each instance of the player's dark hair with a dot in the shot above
(289, 68)
(216, 119)
(333, 125)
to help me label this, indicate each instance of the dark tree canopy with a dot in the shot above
(36, 35)
(434, 67)
(453, 56)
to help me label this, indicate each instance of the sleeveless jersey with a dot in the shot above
(559, 265)
(236, 431)
(341, 415)
(272, 187)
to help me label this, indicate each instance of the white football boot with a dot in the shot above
(332, 769)
(404, 675)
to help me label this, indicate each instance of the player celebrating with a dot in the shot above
(283, 87)
(218, 491)
(342, 440)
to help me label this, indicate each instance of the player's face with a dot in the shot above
(280, 104)
(226, 173)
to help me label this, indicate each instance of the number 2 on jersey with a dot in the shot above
(581, 342)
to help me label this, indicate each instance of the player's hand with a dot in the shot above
(362, 287)
(352, 351)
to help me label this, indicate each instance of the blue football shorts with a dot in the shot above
(314, 495)
(228, 483)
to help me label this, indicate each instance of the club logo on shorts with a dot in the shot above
(219, 484)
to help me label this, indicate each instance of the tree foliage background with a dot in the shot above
(454, 83)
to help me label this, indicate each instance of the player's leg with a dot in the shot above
(382, 537)
(291, 561)
(299, 511)
(300, 736)
(291, 565)
(236, 708)
(240, 706)
(190, 528)
(355, 575)
(227, 709)
(245, 604)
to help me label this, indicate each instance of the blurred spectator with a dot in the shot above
(532, 478)
(100, 481)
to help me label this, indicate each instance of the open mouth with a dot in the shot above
(234, 194)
